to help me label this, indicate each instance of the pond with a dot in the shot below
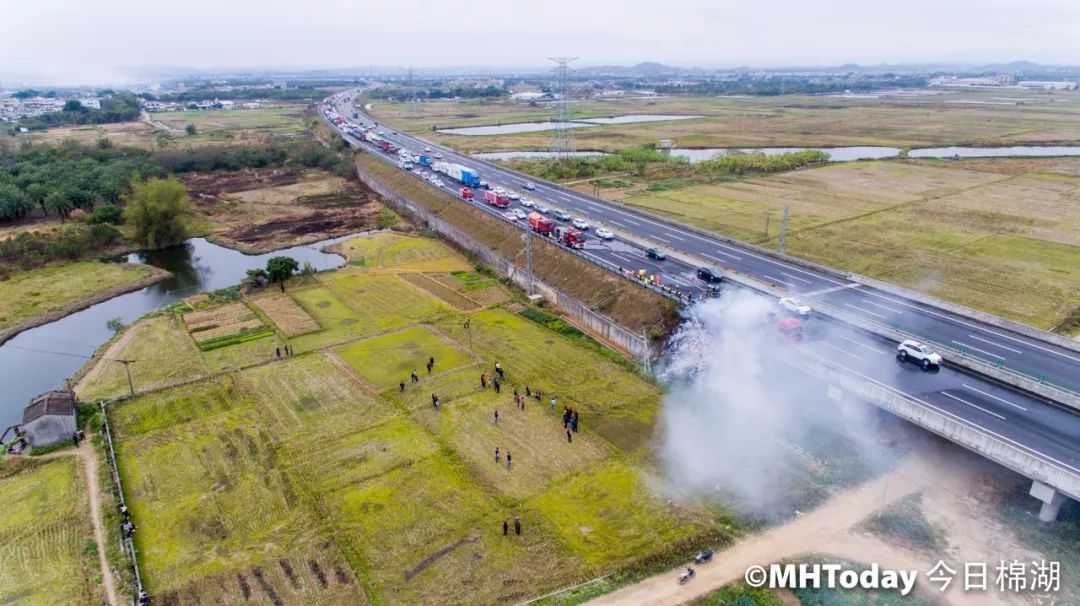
(532, 127)
(534, 155)
(836, 154)
(1019, 151)
(41, 358)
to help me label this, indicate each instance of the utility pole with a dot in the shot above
(564, 137)
(783, 227)
(766, 225)
(127, 368)
(468, 329)
(528, 259)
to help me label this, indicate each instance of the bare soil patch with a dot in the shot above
(221, 321)
(259, 210)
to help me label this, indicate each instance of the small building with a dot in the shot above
(50, 418)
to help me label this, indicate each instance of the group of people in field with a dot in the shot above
(570, 416)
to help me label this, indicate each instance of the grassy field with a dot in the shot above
(29, 294)
(47, 550)
(256, 484)
(396, 251)
(235, 125)
(954, 230)
(947, 119)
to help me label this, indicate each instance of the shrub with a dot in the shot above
(108, 213)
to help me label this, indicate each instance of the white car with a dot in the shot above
(604, 234)
(543, 210)
(520, 214)
(427, 149)
(580, 224)
(438, 155)
(795, 306)
(510, 215)
(528, 185)
(527, 203)
(918, 353)
(514, 195)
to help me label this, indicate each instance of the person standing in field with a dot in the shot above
(495, 383)
(517, 525)
(483, 381)
(497, 458)
(509, 460)
(496, 416)
(401, 386)
(430, 364)
(414, 378)
(499, 371)
(506, 528)
(552, 402)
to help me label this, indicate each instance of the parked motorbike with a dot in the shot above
(686, 576)
(704, 556)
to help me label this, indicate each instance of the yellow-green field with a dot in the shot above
(47, 553)
(29, 294)
(784, 121)
(986, 234)
(245, 484)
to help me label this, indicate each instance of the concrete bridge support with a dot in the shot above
(1051, 500)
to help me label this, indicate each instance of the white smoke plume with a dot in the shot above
(736, 412)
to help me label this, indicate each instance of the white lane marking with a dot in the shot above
(969, 325)
(720, 252)
(662, 239)
(965, 345)
(626, 258)
(995, 344)
(864, 310)
(614, 222)
(990, 395)
(631, 221)
(672, 235)
(892, 309)
(777, 280)
(864, 345)
(839, 349)
(784, 273)
(975, 406)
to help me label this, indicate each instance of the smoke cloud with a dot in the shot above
(742, 424)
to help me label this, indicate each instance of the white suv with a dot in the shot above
(918, 353)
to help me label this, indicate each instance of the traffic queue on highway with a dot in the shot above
(560, 227)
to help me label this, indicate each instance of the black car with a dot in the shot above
(710, 275)
(655, 253)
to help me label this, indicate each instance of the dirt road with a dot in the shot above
(828, 531)
(89, 461)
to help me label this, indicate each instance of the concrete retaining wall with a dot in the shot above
(999, 449)
(598, 323)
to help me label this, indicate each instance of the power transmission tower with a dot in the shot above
(564, 135)
(414, 98)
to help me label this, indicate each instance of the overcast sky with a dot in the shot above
(76, 41)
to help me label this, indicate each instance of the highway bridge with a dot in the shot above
(1008, 391)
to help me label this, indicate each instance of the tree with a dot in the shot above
(59, 202)
(155, 209)
(14, 204)
(74, 105)
(191, 130)
(281, 268)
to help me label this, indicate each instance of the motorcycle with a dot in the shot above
(686, 576)
(704, 556)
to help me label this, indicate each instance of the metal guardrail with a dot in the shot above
(127, 543)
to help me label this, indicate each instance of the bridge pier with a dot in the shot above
(1051, 500)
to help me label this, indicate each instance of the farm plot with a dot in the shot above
(395, 251)
(383, 302)
(45, 535)
(438, 289)
(534, 436)
(213, 503)
(612, 401)
(224, 325)
(290, 318)
(387, 359)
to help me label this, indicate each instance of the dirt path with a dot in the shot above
(946, 481)
(111, 351)
(89, 459)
